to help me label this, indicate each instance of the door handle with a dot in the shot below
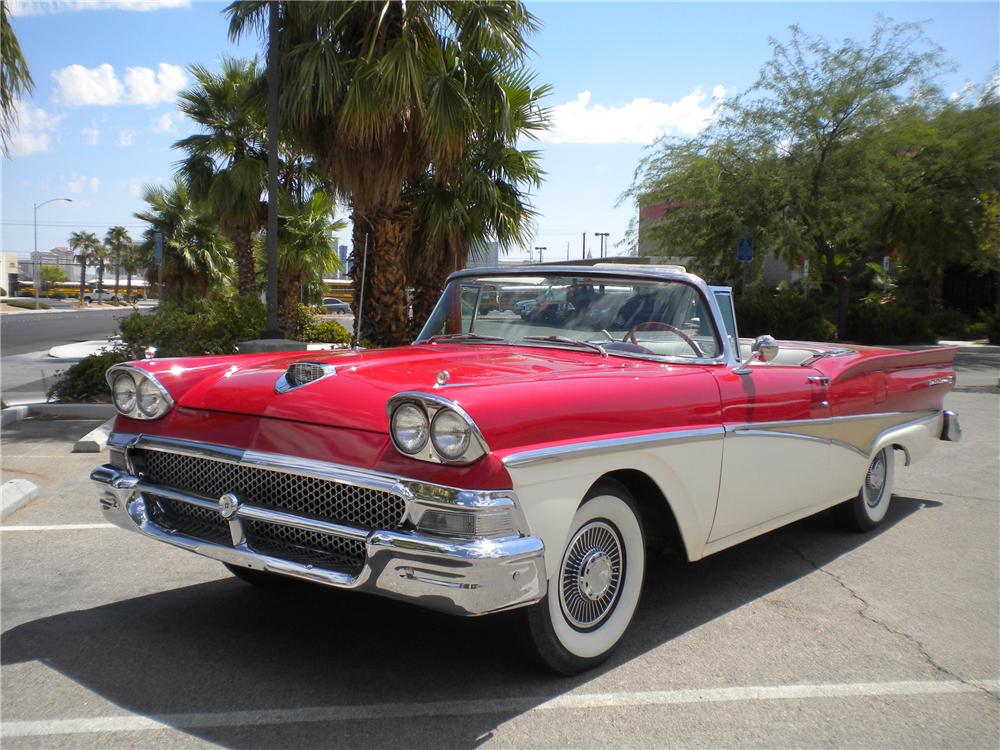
(818, 380)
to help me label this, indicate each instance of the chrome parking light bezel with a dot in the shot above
(138, 375)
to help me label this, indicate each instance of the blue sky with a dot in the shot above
(102, 118)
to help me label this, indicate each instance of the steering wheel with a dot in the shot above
(659, 325)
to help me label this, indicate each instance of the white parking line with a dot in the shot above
(517, 705)
(59, 527)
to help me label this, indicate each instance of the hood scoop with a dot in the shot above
(299, 374)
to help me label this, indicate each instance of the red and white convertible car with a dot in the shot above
(503, 462)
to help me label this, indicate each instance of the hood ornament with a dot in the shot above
(442, 377)
(299, 374)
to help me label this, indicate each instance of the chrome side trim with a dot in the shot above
(597, 447)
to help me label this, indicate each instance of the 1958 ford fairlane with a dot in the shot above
(549, 425)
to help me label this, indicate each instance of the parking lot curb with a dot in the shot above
(65, 411)
(15, 494)
(96, 440)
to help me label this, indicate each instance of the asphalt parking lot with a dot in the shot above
(808, 636)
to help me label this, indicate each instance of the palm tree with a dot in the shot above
(133, 259)
(484, 200)
(195, 254)
(85, 247)
(117, 241)
(15, 78)
(100, 257)
(307, 250)
(380, 92)
(226, 166)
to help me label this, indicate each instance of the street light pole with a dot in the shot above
(36, 275)
(603, 236)
(540, 251)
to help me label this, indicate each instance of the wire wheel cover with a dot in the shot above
(591, 576)
(875, 480)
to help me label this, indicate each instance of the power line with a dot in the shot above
(67, 225)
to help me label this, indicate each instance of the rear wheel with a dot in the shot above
(259, 578)
(866, 511)
(595, 592)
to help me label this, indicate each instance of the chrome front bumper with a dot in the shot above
(457, 576)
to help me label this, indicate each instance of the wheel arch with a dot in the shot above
(658, 518)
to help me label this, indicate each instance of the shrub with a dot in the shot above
(28, 305)
(85, 381)
(872, 323)
(991, 325)
(949, 323)
(327, 332)
(785, 315)
(212, 325)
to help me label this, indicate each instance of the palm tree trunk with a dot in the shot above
(429, 270)
(385, 317)
(83, 278)
(289, 289)
(128, 285)
(118, 270)
(246, 277)
(100, 280)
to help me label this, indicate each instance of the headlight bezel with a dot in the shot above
(410, 449)
(433, 405)
(140, 379)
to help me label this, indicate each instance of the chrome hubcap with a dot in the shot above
(875, 481)
(591, 575)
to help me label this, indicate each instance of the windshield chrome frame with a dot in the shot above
(727, 357)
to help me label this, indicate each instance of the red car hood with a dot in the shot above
(506, 389)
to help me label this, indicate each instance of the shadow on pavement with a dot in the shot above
(225, 646)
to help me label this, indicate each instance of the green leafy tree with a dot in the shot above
(226, 165)
(801, 161)
(15, 78)
(86, 248)
(195, 253)
(117, 240)
(50, 275)
(379, 92)
(134, 257)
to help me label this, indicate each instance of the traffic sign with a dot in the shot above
(744, 250)
(158, 248)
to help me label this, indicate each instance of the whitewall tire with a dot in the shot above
(594, 594)
(866, 511)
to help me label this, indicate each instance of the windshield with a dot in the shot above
(647, 318)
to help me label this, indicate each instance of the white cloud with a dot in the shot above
(47, 7)
(91, 134)
(148, 87)
(167, 122)
(125, 138)
(639, 121)
(79, 183)
(77, 85)
(36, 131)
(134, 186)
(80, 86)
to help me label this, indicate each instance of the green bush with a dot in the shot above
(28, 305)
(213, 325)
(949, 323)
(990, 325)
(873, 323)
(784, 315)
(327, 332)
(85, 381)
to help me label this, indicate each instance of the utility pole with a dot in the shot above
(583, 247)
(603, 237)
(272, 331)
(36, 271)
(540, 250)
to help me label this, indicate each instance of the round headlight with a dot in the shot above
(123, 393)
(151, 401)
(409, 428)
(450, 434)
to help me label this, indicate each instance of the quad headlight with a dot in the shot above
(137, 394)
(432, 428)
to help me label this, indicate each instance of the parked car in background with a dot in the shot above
(336, 306)
(100, 295)
(500, 463)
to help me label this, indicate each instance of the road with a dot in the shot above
(808, 636)
(21, 333)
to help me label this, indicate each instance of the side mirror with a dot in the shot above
(764, 349)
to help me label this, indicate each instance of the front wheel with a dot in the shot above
(866, 511)
(595, 592)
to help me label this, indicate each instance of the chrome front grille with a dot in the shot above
(360, 508)
(271, 488)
